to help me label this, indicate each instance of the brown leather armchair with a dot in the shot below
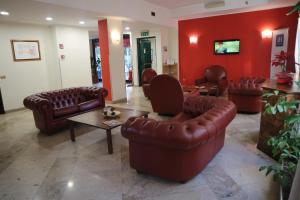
(166, 95)
(50, 109)
(180, 148)
(246, 95)
(214, 76)
(147, 76)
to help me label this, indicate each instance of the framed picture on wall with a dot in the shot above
(279, 40)
(25, 50)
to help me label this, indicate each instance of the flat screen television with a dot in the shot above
(225, 47)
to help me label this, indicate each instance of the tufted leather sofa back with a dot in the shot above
(210, 116)
(64, 98)
(249, 88)
(256, 80)
(196, 106)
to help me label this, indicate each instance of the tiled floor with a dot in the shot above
(34, 166)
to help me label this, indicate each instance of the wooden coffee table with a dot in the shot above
(95, 118)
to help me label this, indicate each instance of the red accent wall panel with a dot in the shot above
(104, 51)
(255, 52)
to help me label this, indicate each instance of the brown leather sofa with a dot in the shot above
(180, 148)
(50, 109)
(147, 76)
(166, 95)
(214, 76)
(246, 95)
(257, 80)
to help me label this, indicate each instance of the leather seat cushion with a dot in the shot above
(87, 105)
(59, 112)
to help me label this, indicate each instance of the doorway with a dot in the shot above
(127, 58)
(146, 48)
(96, 62)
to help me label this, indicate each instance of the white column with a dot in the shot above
(116, 59)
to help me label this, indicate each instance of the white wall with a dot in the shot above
(116, 61)
(29, 77)
(75, 67)
(25, 78)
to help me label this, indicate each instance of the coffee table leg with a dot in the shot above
(72, 133)
(109, 141)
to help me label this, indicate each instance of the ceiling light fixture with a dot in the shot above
(127, 28)
(5, 13)
(81, 22)
(49, 18)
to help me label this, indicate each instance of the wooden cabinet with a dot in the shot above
(171, 70)
(270, 125)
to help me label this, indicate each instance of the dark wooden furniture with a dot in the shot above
(96, 118)
(270, 125)
(209, 91)
(170, 70)
(2, 111)
(293, 89)
(190, 88)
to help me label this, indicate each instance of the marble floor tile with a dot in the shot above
(35, 166)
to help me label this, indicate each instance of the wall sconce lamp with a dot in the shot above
(193, 39)
(267, 33)
(115, 37)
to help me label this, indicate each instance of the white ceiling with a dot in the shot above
(27, 11)
(175, 3)
(70, 12)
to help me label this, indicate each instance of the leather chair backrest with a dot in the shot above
(147, 75)
(215, 73)
(166, 95)
(63, 98)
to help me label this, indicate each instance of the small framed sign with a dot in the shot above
(279, 40)
(25, 50)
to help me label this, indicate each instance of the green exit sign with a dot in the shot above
(145, 33)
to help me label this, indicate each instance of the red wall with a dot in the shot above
(255, 52)
(103, 41)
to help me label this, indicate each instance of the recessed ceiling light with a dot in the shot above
(49, 18)
(4, 13)
(127, 28)
(81, 22)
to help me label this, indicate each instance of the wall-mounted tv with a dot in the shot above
(224, 47)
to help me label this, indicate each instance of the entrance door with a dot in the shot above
(144, 56)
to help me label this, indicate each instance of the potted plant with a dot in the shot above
(281, 61)
(294, 9)
(286, 145)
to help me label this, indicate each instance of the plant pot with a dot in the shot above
(284, 193)
(284, 78)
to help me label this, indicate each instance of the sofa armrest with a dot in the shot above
(166, 134)
(95, 93)
(200, 81)
(37, 103)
